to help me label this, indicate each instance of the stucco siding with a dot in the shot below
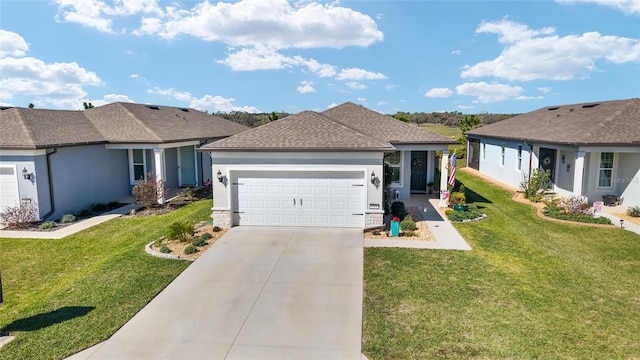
(28, 189)
(508, 173)
(565, 167)
(628, 180)
(171, 166)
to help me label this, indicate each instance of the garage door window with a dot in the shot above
(393, 161)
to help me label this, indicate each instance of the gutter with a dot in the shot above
(51, 197)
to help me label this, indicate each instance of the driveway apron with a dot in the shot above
(257, 293)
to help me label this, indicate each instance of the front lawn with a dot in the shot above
(530, 288)
(61, 296)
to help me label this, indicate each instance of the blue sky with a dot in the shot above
(274, 55)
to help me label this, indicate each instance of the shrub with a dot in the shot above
(409, 233)
(216, 229)
(165, 250)
(20, 215)
(68, 218)
(206, 236)
(398, 210)
(633, 211)
(552, 203)
(448, 212)
(457, 197)
(198, 242)
(559, 213)
(190, 250)
(459, 216)
(47, 225)
(180, 231)
(408, 224)
(575, 205)
(158, 242)
(148, 191)
(98, 208)
(534, 183)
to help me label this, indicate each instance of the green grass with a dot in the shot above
(61, 296)
(453, 133)
(529, 289)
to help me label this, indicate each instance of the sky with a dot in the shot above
(274, 55)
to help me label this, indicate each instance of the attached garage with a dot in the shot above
(327, 199)
(9, 195)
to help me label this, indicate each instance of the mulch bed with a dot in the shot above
(422, 232)
(177, 247)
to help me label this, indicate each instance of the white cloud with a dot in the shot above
(218, 103)
(631, 7)
(361, 99)
(456, 52)
(359, 74)
(522, 97)
(134, 76)
(487, 93)
(100, 15)
(538, 54)
(439, 93)
(391, 87)
(463, 107)
(382, 103)
(12, 44)
(306, 87)
(110, 98)
(332, 105)
(356, 85)
(171, 93)
(544, 89)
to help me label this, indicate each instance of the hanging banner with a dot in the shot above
(444, 198)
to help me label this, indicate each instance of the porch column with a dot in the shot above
(158, 156)
(444, 175)
(578, 172)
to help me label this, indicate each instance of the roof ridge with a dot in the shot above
(353, 130)
(158, 138)
(25, 127)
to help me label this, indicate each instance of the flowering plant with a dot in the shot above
(395, 218)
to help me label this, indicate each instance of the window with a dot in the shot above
(393, 160)
(502, 155)
(606, 170)
(138, 166)
(519, 161)
(484, 151)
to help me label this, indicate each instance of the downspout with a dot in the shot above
(51, 197)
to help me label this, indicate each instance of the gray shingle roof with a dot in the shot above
(614, 122)
(113, 123)
(344, 127)
(307, 130)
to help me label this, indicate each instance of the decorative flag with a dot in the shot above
(452, 177)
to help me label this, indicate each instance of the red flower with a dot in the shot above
(395, 218)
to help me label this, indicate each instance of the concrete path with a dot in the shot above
(267, 293)
(71, 229)
(444, 234)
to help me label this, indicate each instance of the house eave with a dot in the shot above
(569, 143)
(295, 149)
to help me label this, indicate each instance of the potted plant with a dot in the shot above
(395, 226)
(430, 187)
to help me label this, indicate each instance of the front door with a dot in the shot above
(187, 164)
(419, 171)
(548, 161)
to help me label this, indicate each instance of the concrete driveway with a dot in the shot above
(258, 293)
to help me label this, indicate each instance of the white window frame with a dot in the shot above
(132, 179)
(400, 155)
(612, 168)
(519, 158)
(502, 155)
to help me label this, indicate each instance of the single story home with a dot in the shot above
(320, 169)
(65, 161)
(591, 149)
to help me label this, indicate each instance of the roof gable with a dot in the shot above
(306, 130)
(615, 122)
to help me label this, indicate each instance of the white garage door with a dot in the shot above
(333, 199)
(9, 195)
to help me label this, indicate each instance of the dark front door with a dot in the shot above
(418, 171)
(548, 161)
(474, 153)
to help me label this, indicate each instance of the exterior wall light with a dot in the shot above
(373, 177)
(219, 176)
(25, 174)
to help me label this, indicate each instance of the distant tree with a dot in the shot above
(31, 106)
(402, 117)
(468, 123)
(273, 116)
(87, 105)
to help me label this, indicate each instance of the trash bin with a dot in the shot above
(609, 200)
(395, 228)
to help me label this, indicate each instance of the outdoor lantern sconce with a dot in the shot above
(25, 174)
(373, 177)
(219, 176)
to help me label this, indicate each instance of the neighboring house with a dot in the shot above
(591, 149)
(64, 161)
(320, 169)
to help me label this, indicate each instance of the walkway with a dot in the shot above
(267, 293)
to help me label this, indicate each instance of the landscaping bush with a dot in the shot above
(47, 225)
(633, 211)
(459, 216)
(560, 213)
(217, 229)
(158, 242)
(180, 231)
(575, 205)
(409, 233)
(198, 242)
(407, 224)
(448, 212)
(148, 191)
(165, 250)
(68, 218)
(20, 215)
(534, 183)
(457, 197)
(190, 250)
(398, 210)
(206, 236)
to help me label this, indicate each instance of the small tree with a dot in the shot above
(31, 106)
(533, 183)
(20, 215)
(468, 123)
(149, 190)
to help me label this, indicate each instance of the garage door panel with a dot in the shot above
(300, 199)
(9, 194)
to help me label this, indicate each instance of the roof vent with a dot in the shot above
(184, 109)
(553, 108)
(589, 106)
(153, 107)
